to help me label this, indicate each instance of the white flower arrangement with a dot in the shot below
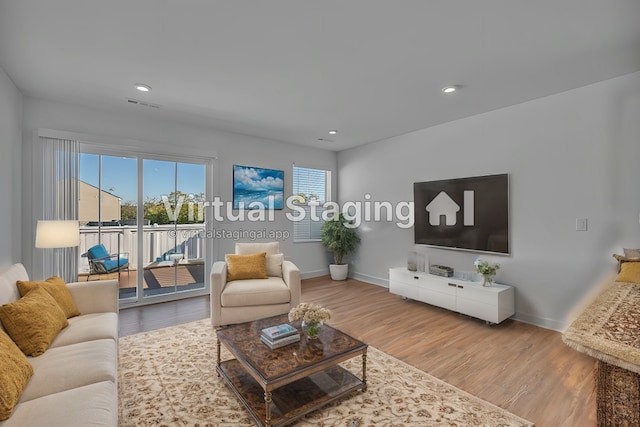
(483, 267)
(309, 313)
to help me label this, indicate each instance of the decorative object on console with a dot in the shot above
(441, 270)
(339, 237)
(417, 261)
(312, 316)
(486, 270)
(412, 261)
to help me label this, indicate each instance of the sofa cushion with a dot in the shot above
(631, 253)
(240, 293)
(57, 288)
(91, 405)
(33, 321)
(241, 267)
(270, 248)
(15, 371)
(274, 265)
(88, 327)
(629, 272)
(8, 278)
(72, 366)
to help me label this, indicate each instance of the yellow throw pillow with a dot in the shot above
(629, 272)
(33, 321)
(240, 267)
(57, 288)
(15, 371)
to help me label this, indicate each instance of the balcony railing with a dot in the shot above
(158, 242)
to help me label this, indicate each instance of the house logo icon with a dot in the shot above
(443, 206)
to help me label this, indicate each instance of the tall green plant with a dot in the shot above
(339, 237)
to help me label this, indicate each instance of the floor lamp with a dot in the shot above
(58, 234)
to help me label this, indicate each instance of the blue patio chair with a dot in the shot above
(102, 262)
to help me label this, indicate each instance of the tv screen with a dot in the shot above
(463, 213)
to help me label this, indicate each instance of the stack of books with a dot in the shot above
(279, 336)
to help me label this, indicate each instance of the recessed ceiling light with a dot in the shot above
(333, 132)
(142, 87)
(449, 89)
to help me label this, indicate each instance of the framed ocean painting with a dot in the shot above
(257, 188)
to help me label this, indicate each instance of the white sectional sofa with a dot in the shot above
(75, 381)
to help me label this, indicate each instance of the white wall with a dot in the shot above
(10, 170)
(572, 155)
(151, 134)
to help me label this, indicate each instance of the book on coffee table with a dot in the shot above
(280, 342)
(279, 331)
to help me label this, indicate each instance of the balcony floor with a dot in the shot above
(156, 279)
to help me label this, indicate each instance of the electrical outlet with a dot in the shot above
(581, 224)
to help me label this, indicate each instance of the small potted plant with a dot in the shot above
(486, 270)
(339, 236)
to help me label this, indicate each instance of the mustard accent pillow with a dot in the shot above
(629, 272)
(33, 321)
(57, 288)
(15, 371)
(240, 267)
(623, 259)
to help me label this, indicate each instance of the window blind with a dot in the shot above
(313, 187)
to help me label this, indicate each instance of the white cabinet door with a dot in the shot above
(440, 294)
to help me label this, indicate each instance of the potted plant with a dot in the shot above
(339, 236)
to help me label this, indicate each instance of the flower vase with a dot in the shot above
(487, 280)
(312, 329)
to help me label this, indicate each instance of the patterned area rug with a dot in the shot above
(609, 328)
(167, 378)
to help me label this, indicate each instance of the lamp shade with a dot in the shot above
(57, 234)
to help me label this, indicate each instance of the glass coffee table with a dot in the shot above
(279, 386)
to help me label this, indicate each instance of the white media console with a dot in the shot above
(492, 304)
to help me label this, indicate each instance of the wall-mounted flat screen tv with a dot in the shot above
(464, 213)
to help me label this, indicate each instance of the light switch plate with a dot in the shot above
(581, 224)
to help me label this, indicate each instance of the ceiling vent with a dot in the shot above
(142, 103)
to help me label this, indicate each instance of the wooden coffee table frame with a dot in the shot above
(280, 386)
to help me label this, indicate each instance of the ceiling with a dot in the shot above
(293, 70)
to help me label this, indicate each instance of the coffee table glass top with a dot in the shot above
(243, 341)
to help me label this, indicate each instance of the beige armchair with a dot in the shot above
(238, 301)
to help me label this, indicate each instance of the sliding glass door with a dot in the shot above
(173, 249)
(147, 214)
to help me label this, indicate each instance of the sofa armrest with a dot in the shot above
(291, 276)
(218, 282)
(99, 296)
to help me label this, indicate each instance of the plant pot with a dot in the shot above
(339, 271)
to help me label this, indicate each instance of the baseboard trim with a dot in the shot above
(371, 279)
(312, 274)
(541, 322)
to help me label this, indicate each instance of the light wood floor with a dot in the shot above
(524, 369)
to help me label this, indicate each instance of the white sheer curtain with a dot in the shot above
(58, 159)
